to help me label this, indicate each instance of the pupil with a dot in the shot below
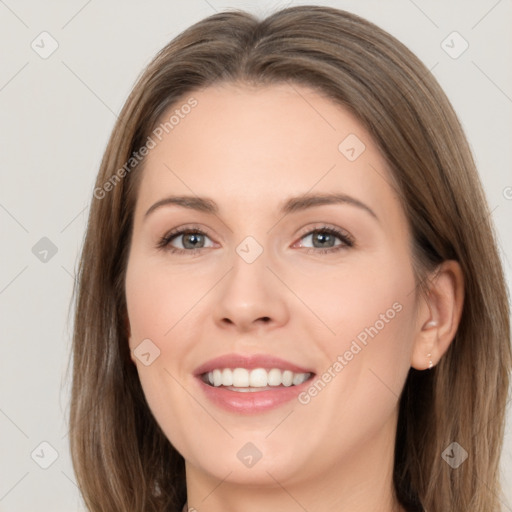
(191, 237)
(324, 238)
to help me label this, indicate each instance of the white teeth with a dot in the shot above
(297, 379)
(240, 378)
(227, 377)
(256, 378)
(217, 378)
(274, 377)
(287, 378)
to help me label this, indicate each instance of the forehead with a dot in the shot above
(250, 144)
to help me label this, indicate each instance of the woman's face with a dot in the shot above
(295, 264)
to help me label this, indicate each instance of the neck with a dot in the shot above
(362, 481)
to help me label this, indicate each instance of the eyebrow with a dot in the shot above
(291, 205)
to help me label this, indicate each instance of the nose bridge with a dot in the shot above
(248, 279)
(250, 250)
(248, 293)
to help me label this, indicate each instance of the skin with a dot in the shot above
(294, 302)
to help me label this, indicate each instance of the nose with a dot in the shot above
(250, 297)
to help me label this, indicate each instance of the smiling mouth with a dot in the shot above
(258, 379)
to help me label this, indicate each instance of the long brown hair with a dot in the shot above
(121, 458)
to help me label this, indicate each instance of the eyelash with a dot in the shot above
(345, 238)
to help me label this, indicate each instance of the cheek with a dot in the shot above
(359, 293)
(156, 306)
(368, 310)
(164, 305)
(367, 363)
(160, 298)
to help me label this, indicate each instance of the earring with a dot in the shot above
(430, 364)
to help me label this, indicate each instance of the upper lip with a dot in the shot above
(249, 362)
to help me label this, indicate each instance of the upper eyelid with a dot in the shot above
(323, 226)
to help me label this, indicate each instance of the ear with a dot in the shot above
(439, 315)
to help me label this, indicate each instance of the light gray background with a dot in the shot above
(56, 115)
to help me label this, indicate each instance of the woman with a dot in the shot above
(289, 296)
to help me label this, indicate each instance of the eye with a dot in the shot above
(326, 239)
(184, 240)
(190, 240)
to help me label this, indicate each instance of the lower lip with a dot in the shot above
(251, 402)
